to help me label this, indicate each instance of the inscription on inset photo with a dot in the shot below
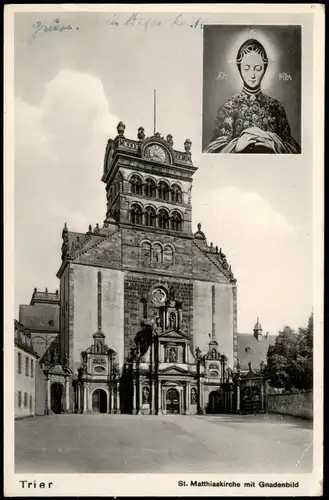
(251, 89)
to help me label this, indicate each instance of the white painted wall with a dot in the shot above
(85, 309)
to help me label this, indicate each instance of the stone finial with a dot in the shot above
(170, 140)
(56, 292)
(96, 229)
(35, 290)
(90, 228)
(187, 145)
(199, 234)
(64, 232)
(121, 129)
(249, 365)
(141, 134)
(216, 249)
(211, 246)
(46, 290)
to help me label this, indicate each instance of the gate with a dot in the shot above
(99, 401)
(172, 401)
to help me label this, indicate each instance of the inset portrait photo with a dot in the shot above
(251, 89)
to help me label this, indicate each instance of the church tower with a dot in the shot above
(143, 269)
(148, 183)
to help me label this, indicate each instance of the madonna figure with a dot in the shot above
(252, 122)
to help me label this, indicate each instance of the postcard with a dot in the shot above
(163, 294)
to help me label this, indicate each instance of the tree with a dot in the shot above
(290, 359)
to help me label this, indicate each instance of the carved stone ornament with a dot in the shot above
(159, 296)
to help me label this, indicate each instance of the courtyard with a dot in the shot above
(98, 443)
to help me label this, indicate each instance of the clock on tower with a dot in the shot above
(156, 153)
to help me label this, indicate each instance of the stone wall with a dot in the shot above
(137, 287)
(299, 404)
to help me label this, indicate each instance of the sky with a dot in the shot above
(72, 87)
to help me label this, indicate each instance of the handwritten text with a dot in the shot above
(146, 23)
(45, 28)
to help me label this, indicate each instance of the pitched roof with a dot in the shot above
(42, 317)
(45, 297)
(23, 338)
(253, 350)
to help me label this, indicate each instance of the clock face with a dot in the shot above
(157, 153)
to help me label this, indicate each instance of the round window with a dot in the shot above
(99, 369)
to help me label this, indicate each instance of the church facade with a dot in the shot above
(148, 311)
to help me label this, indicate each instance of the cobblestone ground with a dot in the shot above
(166, 444)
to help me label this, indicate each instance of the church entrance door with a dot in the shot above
(172, 401)
(99, 401)
(215, 402)
(56, 397)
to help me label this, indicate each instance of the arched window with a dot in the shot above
(150, 188)
(143, 309)
(176, 193)
(163, 191)
(146, 252)
(163, 218)
(136, 185)
(136, 214)
(150, 216)
(176, 221)
(168, 254)
(157, 253)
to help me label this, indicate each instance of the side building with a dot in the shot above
(25, 368)
(41, 319)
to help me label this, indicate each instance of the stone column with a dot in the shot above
(182, 402)
(159, 398)
(108, 399)
(48, 397)
(67, 394)
(238, 397)
(140, 402)
(84, 398)
(134, 397)
(152, 398)
(79, 398)
(231, 398)
(187, 397)
(88, 398)
(117, 399)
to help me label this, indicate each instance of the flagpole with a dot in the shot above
(154, 111)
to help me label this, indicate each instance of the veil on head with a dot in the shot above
(251, 46)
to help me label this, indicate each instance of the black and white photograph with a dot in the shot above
(252, 81)
(163, 306)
